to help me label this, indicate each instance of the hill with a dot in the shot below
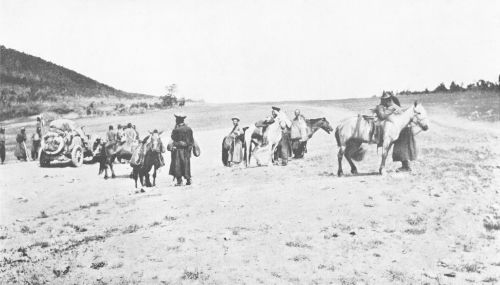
(30, 85)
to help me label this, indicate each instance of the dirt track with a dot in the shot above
(295, 224)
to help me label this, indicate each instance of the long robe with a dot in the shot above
(236, 155)
(182, 141)
(405, 147)
(20, 151)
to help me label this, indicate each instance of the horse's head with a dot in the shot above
(321, 123)
(420, 116)
(98, 147)
(155, 141)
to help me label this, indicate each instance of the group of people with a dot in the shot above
(21, 151)
(294, 136)
(181, 146)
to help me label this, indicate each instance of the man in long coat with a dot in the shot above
(405, 147)
(236, 133)
(182, 145)
(21, 151)
(284, 149)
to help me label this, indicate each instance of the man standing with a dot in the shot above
(182, 145)
(284, 149)
(299, 134)
(36, 139)
(119, 133)
(111, 138)
(405, 147)
(237, 147)
(20, 151)
(2, 145)
(136, 132)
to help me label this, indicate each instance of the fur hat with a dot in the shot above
(180, 115)
(275, 108)
(235, 118)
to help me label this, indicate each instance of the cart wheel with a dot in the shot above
(44, 162)
(77, 156)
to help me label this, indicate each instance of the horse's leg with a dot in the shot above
(352, 146)
(385, 151)
(354, 170)
(154, 176)
(106, 173)
(340, 155)
(112, 170)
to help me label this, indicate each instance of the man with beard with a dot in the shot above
(181, 147)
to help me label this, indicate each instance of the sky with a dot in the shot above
(261, 50)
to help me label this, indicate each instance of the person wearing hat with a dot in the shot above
(20, 151)
(181, 147)
(284, 149)
(2, 145)
(236, 155)
(405, 148)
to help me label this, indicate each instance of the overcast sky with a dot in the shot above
(231, 51)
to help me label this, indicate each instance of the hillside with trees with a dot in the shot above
(30, 85)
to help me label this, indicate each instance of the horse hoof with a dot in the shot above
(340, 173)
(381, 171)
(113, 176)
(106, 177)
(354, 171)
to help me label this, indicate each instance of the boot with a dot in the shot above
(188, 181)
(405, 166)
(179, 181)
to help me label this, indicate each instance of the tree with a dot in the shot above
(455, 87)
(441, 88)
(169, 100)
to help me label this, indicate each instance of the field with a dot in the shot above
(299, 224)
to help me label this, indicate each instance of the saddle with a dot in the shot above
(376, 131)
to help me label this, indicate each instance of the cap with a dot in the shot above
(235, 118)
(180, 115)
(276, 108)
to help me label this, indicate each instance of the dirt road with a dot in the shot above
(298, 224)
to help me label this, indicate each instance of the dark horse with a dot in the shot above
(151, 149)
(105, 155)
(299, 148)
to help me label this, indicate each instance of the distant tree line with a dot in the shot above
(480, 85)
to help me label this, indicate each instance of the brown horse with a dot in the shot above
(106, 155)
(313, 125)
(351, 133)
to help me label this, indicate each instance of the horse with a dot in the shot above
(351, 133)
(106, 155)
(254, 142)
(313, 125)
(151, 148)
